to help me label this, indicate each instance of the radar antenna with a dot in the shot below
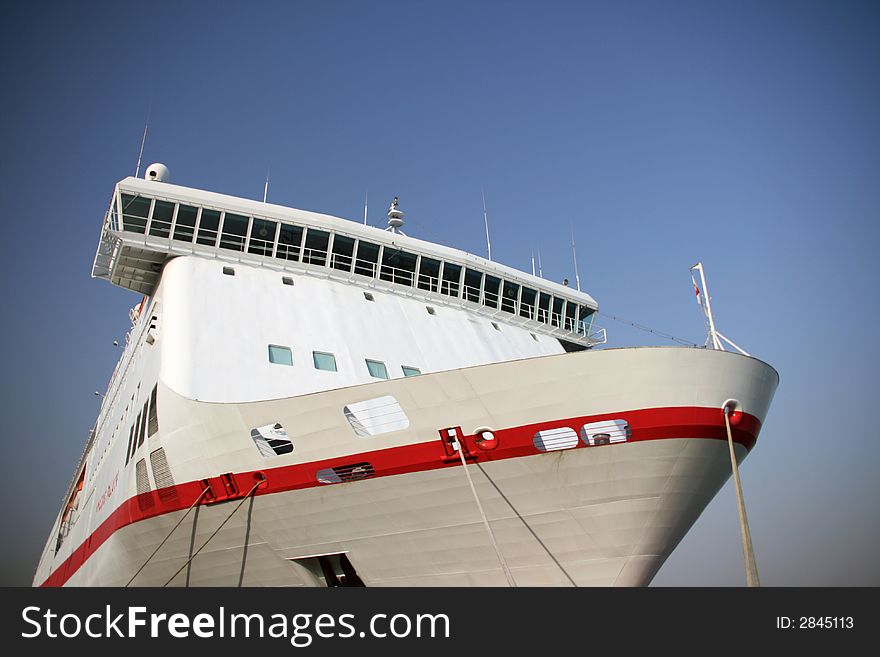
(395, 218)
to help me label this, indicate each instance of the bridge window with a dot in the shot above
(527, 303)
(315, 252)
(184, 227)
(556, 314)
(473, 280)
(262, 237)
(410, 371)
(160, 224)
(451, 279)
(367, 257)
(491, 288)
(543, 308)
(343, 253)
(571, 310)
(234, 231)
(209, 225)
(377, 369)
(289, 240)
(324, 361)
(508, 300)
(587, 315)
(429, 274)
(280, 355)
(135, 210)
(398, 266)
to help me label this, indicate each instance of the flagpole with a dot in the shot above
(715, 341)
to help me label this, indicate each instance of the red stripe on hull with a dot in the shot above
(515, 442)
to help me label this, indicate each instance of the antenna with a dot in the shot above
(486, 221)
(577, 276)
(366, 202)
(266, 186)
(395, 217)
(533, 263)
(540, 268)
(137, 170)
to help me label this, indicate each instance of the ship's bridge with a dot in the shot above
(150, 222)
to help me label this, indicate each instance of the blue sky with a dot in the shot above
(742, 134)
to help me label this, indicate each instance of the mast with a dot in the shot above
(486, 221)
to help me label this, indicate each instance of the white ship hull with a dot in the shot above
(587, 515)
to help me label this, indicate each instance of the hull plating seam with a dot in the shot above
(515, 442)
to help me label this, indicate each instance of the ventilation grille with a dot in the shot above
(343, 473)
(551, 440)
(606, 432)
(376, 416)
(145, 500)
(162, 475)
(143, 480)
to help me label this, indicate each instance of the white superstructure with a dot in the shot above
(324, 372)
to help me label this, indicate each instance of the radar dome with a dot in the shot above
(158, 172)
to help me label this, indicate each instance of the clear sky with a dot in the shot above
(742, 134)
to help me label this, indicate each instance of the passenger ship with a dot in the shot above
(303, 400)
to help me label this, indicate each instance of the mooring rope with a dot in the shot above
(525, 524)
(745, 534)
(182, 518)
(216, 531)
(467, 473)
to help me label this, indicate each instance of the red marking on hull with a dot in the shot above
(515, 442)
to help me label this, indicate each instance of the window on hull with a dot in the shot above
(377, 369)
(280, 355)
(324, 361)
(272, 440)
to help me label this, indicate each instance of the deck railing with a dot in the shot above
(346, 263)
